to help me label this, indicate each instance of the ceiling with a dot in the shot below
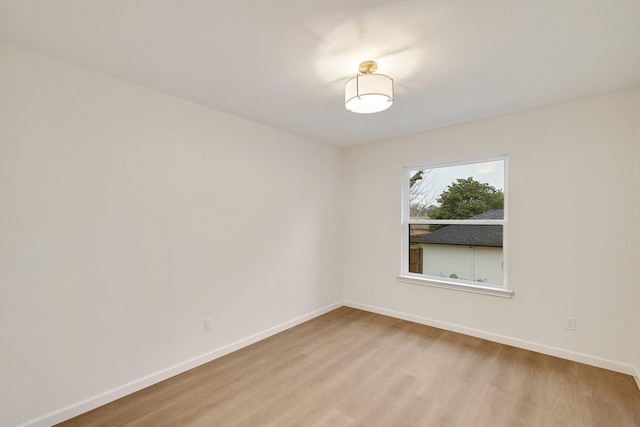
(284, 63)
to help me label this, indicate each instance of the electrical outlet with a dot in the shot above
(570, 323)
(208, 324)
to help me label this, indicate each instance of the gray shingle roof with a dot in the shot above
(468, 235)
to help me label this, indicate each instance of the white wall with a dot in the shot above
(127, 217)
(572, 220)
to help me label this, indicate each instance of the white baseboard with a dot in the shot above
(515, 342)
(636, 375)
(126, 389)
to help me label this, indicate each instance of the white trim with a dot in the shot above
(637, 254)
(599, 362)
(467, 161)
(93, 402)
(456, 221)
(456, 286)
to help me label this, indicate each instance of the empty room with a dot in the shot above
(320, 213)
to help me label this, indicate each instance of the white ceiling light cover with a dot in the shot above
(368, 93)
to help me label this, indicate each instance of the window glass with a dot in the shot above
(456, 192)
(457, 251)
(454, 222)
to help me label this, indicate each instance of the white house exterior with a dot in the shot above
(468, 252)
(478, 263)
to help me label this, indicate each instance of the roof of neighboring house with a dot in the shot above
(468, 235)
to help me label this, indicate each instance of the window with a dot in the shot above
(454, 225)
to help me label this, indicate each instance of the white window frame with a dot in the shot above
(443, 282)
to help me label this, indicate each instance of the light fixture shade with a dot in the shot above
(368, 93)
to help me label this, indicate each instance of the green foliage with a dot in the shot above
(466, 198)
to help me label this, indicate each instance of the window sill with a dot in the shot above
(457, 286)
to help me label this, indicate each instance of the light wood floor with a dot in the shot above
(353, 368)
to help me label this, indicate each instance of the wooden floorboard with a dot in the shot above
(354, 368)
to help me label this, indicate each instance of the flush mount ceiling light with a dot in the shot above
(368, 92)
